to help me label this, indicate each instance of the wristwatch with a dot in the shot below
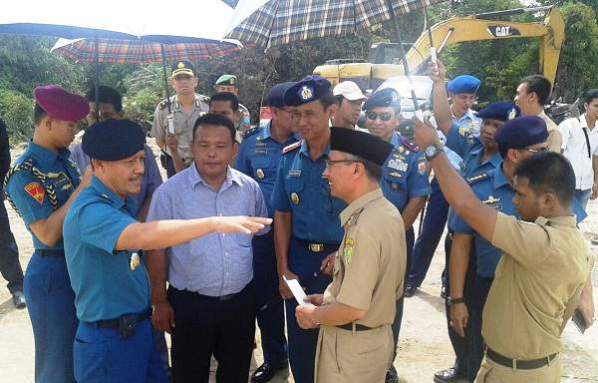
(454, 301)
(432, 151)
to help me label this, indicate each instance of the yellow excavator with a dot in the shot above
(478, 27)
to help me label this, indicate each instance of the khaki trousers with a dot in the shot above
(353, 356)
(491, 372)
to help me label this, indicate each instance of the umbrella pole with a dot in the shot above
(97, 78)
(165, 78)
(403, 54)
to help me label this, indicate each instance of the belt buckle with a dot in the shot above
(316, 247)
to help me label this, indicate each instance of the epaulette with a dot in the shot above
(203, 98)
(250, 132)
(291, 147)
(409, 145)
(478, 178)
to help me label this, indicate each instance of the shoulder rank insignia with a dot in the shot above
(348, 249)
(464, 131)
(291, 147)
(491, 201)
(409, 145)
(36, 191)
(478, 178)
(250, 132)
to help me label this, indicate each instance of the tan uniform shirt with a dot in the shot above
(370, 263)
(555, 139)
(183, 123)
(537, 283)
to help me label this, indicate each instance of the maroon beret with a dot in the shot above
(60, 104)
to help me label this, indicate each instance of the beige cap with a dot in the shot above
(349, 90)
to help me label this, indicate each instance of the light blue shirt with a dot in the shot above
(217, 264)
(105, 286)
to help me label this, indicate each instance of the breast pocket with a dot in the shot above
(261, 168)
(395, 187)
(295, 190)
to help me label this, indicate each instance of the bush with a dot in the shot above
(17, 112)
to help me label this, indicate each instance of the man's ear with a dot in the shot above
(549, 200)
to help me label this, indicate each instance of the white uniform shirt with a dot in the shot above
(575, 148)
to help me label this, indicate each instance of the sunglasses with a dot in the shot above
(382, 116)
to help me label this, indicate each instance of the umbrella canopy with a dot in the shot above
(151, 20)
(268, 23)
(141, 52)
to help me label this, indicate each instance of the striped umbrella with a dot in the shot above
(268, 23)
(141, 51)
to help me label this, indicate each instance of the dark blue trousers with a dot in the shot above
(9, 253)
(396, 325)
(427, 241)
(477, 299)
(303, 343)
(101, 355)
(270, 306)
(51, 306)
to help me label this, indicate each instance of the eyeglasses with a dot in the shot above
(536, 150)
(382, 116)
(329, 163)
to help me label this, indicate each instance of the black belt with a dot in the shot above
(117, 322)
(519, 364)
(358, 327)
(50, 252)
(316, 247)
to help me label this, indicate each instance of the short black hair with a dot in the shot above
(106, 95)
(539, 85)
(38, 114)
(590, 95)
(549, 172)
(226, 96)
(215, 120)
(372, 169)
(327, 99)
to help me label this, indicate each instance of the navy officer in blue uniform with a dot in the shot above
(259, 156)
(404, 176)
(114, 340)
(517, 140)
(307, 228)
(41, 186)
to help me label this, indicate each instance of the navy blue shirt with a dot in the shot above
(462, 139)
(259, 157)
(41, 182)
(404, 174)
(105, 286)
(301, 190)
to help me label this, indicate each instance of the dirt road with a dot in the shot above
(424, 345)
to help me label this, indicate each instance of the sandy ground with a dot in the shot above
(424, 346)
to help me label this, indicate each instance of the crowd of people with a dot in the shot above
(123, 256)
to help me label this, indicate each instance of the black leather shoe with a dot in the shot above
(18, 299)
(266, 372)
(449, 375)
(410, 291)
(392, 376)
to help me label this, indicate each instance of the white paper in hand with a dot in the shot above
(296, 289)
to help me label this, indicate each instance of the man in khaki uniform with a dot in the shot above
(184, 108)
(533, 92)
(544, 269)
(356, 311)
(228, 83)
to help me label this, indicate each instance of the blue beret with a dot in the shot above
(113, 140)
(276, 95)
(309, 89)
(383, 98)
(464, 84)
(521, 133)
(362, 144)
(502, 111)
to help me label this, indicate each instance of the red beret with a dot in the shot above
(60, 104)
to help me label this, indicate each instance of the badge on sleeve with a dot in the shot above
(348, 249)
(36, 191)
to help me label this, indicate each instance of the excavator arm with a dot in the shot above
(486, 27)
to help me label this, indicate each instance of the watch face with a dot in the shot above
(430, 150)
